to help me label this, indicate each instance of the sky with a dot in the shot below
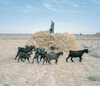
(29, 16)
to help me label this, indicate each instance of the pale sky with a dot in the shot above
(29, 16)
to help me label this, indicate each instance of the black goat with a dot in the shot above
(27, 49)
(52, 56)
(39, 53)
(74, 54)
(23, 55)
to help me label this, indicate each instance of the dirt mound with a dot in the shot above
(61, 41)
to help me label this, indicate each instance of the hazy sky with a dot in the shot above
(28, 16)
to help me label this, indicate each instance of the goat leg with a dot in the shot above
(67, 58)
(37, 59)
(28, 60)
(17, 55)
(18, 59)
(41, 58)
(49, 62)
(72, 59)
(80, 59)
(22, 59)
(56, 61)
(44, 59)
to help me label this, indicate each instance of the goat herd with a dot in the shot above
(47, 55)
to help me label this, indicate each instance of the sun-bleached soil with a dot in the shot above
(12, 73)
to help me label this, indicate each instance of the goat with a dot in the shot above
(74, 54)
(52, 56)
(27, 49)
(39, 52)
(23, 55)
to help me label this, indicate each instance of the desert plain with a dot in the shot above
(14, 73)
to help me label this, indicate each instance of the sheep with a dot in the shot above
(52, 56)
(27, 49)
(74, 54)
(23, 55)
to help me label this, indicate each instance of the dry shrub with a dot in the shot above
(94, 78)
(61, 41)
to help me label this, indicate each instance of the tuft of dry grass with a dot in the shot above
(94, 78)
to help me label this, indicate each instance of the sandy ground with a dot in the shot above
(12, 73)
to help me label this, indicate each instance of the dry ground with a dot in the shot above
(12, 73)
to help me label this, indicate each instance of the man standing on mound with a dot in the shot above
(51, 30)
